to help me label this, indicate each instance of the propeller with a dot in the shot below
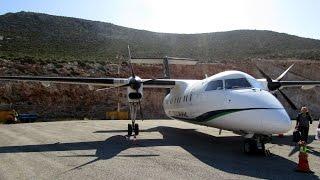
(134, 83)
(275, 85)
(272, 85)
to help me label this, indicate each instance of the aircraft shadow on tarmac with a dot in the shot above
(223, 153)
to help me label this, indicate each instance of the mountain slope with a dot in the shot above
(42, 36)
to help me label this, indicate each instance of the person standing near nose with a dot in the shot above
(303, 120)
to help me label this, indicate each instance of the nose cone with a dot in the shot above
(272, 117)
(276, 121)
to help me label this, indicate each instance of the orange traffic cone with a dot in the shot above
(303, 165)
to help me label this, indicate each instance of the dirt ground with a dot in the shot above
(165, 149)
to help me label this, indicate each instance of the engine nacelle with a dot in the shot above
(135, 95)
(135, 90)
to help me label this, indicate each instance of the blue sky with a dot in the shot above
(295, 17)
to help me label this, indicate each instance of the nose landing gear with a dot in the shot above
(133, 127)
(256, 145)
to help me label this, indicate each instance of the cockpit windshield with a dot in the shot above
(237, 83)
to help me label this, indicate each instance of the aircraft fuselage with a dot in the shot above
(230, 100)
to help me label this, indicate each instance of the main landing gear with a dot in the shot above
(133, 127)
(256, 145)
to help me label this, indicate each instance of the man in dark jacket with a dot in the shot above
(303, 120)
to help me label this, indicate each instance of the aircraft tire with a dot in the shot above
(136, 129)
(130, 129)
(249, 146)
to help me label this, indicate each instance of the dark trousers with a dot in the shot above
(304, 133)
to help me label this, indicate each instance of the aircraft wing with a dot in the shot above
(303, 84)
(110, 82)
(159, 83)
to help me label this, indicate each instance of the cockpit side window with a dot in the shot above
(238, 83)
(214, 85)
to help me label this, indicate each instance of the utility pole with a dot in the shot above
(166, 71)
(118, 93)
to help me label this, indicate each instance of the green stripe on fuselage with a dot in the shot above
(208, 116)
(229, 111)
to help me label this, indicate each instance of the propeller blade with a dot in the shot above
(288, 100)
(130, 64)
(124, 85)
(268, 78)
(284, 73)
(108, 88)
(272, 85)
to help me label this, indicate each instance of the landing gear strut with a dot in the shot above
(133, 127)
(256, 145)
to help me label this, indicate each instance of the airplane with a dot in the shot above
(230, 100)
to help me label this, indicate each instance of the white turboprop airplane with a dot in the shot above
(230, 100)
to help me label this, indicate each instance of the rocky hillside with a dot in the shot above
(79, 101)
(41, 44)
(40, 36)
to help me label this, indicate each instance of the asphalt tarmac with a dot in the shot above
(165, 149)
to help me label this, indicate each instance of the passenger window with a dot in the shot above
(214, 85)
(237, 83)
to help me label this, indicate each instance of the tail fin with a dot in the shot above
(165, 61)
